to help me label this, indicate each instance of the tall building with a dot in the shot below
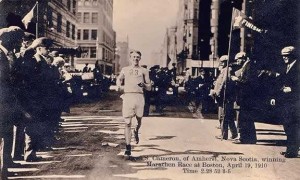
(122, 51)
(95, 34)
(169, 48)
(55, 19)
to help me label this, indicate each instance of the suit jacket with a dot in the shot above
(246, 86)
(290, 79)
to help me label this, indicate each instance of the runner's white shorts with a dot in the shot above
(133, 105)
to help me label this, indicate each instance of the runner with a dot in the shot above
(136, 79)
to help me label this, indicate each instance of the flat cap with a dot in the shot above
(240, 55)
(41, 42)
(223, 58)
(288, 50)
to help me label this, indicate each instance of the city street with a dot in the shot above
(91, 145)
(76, 76)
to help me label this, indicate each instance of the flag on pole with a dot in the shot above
(240, 20)
(29, 17)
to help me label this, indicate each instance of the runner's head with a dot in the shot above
(135, 57)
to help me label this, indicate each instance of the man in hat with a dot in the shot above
(218, 93)
(35, 98)
(17, 77)
(199, 86)
(242, 76)
(136, 80)
(288, 101)
(10, 40)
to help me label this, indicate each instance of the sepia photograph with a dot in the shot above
(150, 89)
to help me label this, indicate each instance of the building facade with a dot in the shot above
(95, 34)
(204, 31)
(55, 19)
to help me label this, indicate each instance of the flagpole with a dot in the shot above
(227, 70)
(37, 20)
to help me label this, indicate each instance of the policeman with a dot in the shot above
(200, 87)
(242, 75)
(38, 84)
(17, 75)
(162, 84)
(288, 100)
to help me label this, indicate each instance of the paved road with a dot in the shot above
(184, 148)
(173, 147)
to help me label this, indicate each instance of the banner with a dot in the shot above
(240, 20)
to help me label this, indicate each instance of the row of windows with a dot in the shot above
(70, 28)
(87, 34)
(107, 6)
(88, 2)
(87, 17)
(107, 40)
(71, 6)
(107, 55)
(91, 52)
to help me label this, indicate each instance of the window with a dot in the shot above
(94, 35)
(69, 5)
(94, 17)
(85, 34)
(103, 53)
(79, 16)
(95, 2)
(195, 13)
(74, 7)
(59, 22)
(86, 17)
(68, 29)
(79, 34)
(93, 52)
(49, 17)
(73, 31)
(85, 52)
(87, 2)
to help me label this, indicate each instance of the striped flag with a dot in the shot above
(29, 17)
